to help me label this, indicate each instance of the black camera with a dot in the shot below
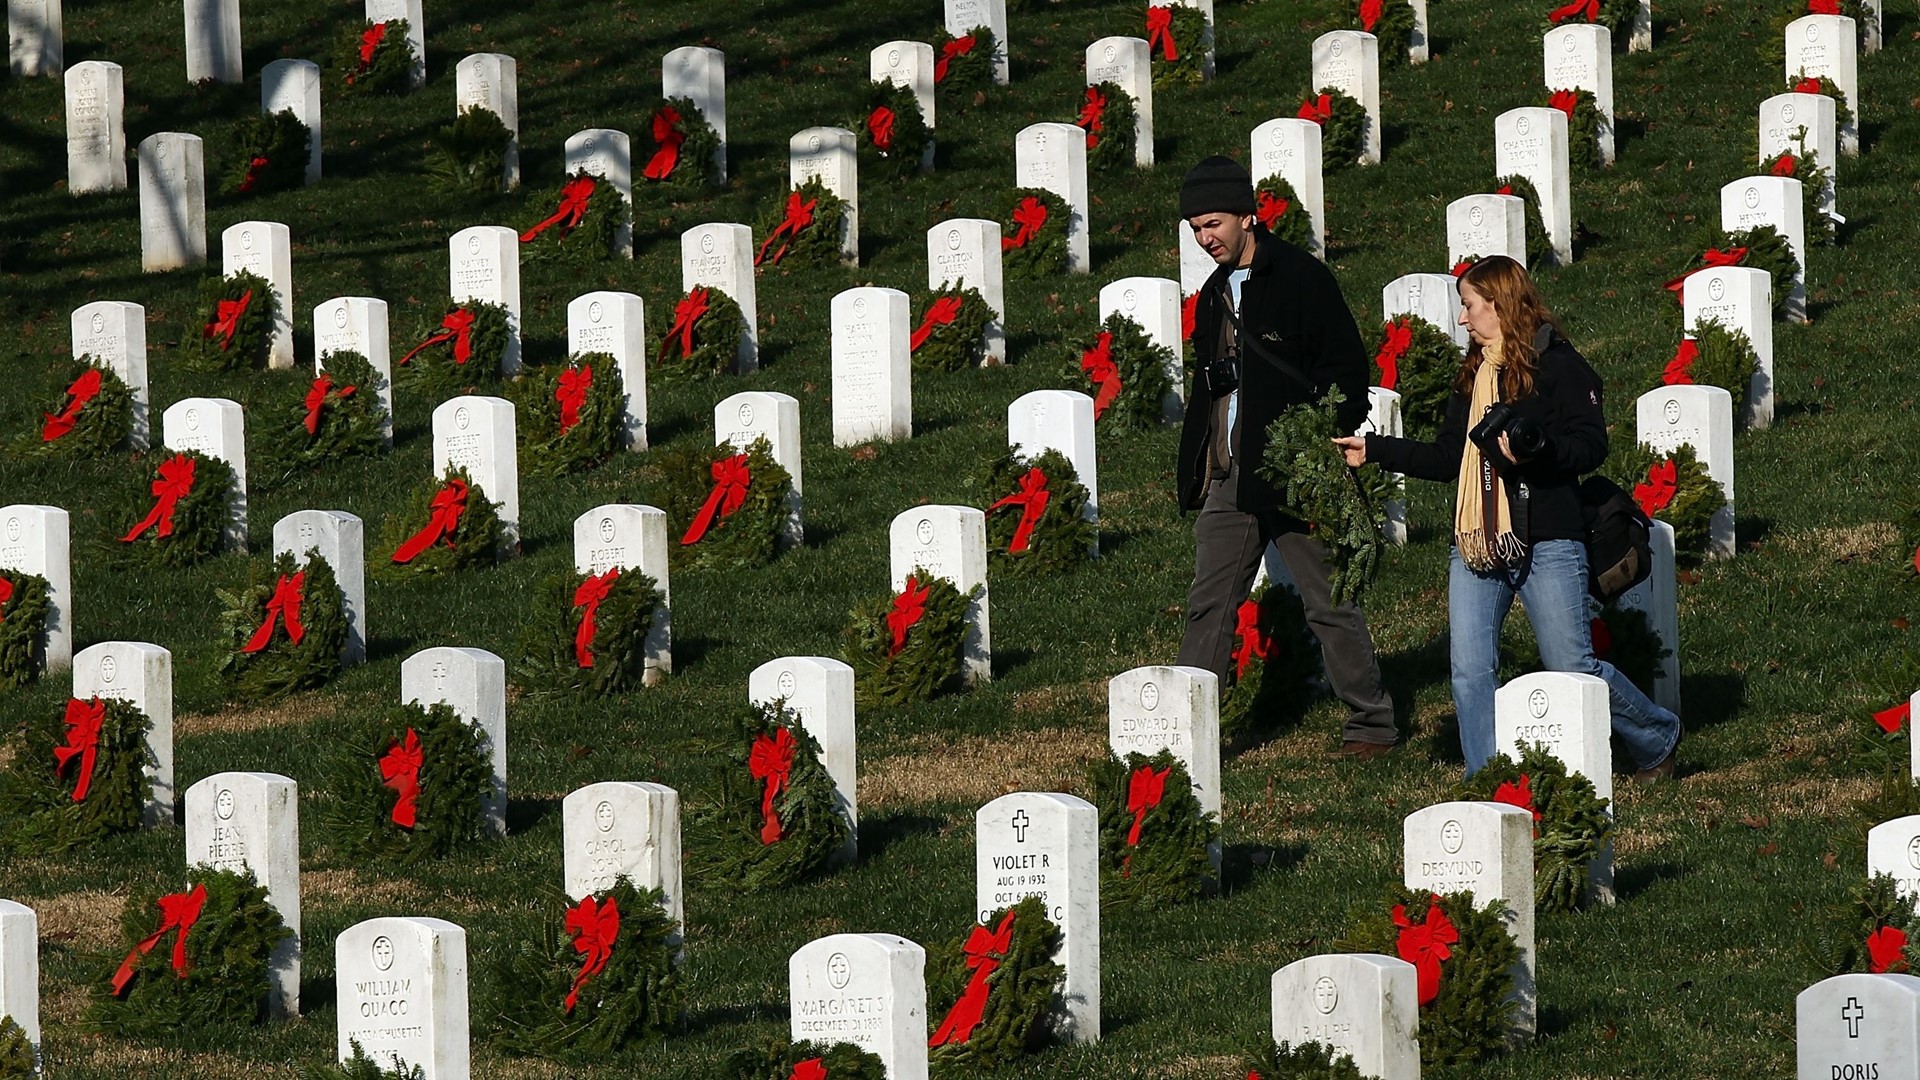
(1223, 376)
(1525, 437)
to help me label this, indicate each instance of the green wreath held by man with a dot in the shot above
(1345, 507)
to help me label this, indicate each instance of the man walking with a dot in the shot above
(1270, 331)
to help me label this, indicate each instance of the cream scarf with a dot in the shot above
(1482, 520)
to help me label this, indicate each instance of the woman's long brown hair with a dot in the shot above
(1506, 285)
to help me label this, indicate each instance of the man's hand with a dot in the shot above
(1353, 448)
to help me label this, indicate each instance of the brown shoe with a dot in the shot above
(1661, 770)
(1363, 751)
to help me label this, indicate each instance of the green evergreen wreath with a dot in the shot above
(1583, 127)
(699, 145)
(1300, 1061)
(636, 997)
(37, 813)
(205, 350)
(470, 154)
(1614, 14)
(956, 345)
(1294, 224)
(23, 629)
(600, 431)
(777, 1060)
(1170, 864)
(816, 245)
(1766, 249)
(1141, 365)
(200, 517)
(1842, 115)
(548, 659)
(1044, 254)
(1020, 992)
(1726, 359)
(1061, 539)
(102, 425)
(283, 667)
(1394, 26)
(1539, 244)
(594, 240)
(1112, 148)
(350, 422)
(1273, 690)
(716, 340)
(729, 824)
(1571, 825)
(1839, 941)
(389, 70)
(971, 70)
(910, 135)
(476, 541)
(1425, 374)
(1345, 507)
(432, 373)
(229, 951)
(1813, 177)
(455, 780)
(270, 152)
(1469, 1020)
(748, 537)
(16, 1053)
(362, 1067)
(1343, 134)
(932, 659)
(1697, 496)
(1190, 41)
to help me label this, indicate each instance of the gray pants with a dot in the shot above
(1228, 545)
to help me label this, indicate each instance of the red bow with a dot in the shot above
(810, 1069)
(1369, 14)
(1030, 215)
(1679, 370)
(686, 315)
(1710, 258)
(178, 911)
(448, 504)
(1809, 85)
(83, 741)
(771, 762)
(1270, 209)
(941, 312)
(1187, 309)
(573, 207)
(571, 394)
(1886, 950)
(1520, 795)
(1888, 719)
(1160, 32)
(1565, 100)
(594, 929)
(457, 327)
(400, 770)
(370, 40)
(1658, 491)
(1319, 111)
(798, 216)
(1250, 643)
(588, 596)
(6, 594)
(226, 319)
(1399, 338)
(1032, 501)
(1424, 945)
(284, 606)
(1461, 267)
(176, 481)
(1505, 189)
(949, 52)
(985, 951)
(880, 126)
(1092, 118)
(1823, 7)
(83, 389)
(1145, 789)
(1786, 165)
(730, 479)
(1098, 363)
(253, 174)
(1602, 638)
(1587, 9)
(317, 397)
(668, 138)
(908, 606)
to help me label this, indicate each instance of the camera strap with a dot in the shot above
(1249, 344)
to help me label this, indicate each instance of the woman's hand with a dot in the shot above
(1354, 448)
(1506, 449)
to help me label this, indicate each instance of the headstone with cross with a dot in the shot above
(249, 822)
(1359, 1005)
(1893, 849)
(339, 538)
(631, 537)
(1053, 157)
(1048, 845)
(216, 428)
(140, 674)
(473, 682)
(1858, 1027)
(866, 989)
(818, 690)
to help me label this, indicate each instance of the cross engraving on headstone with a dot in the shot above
(1020, 823)
(1852, 1013)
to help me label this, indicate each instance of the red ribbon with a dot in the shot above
(1809, 85)
(1319, 111)
(1888, 719)
(285, 607)
(1520, 794)
(730, 479)
(1566, 101)
(1505, 189)
(83, 741)
(1092, 118)
(1710, 258)
(1032, 501)
(1602, 638)
(985, 951)
(176, 481)
(907, 609)
(1587, 9)
(1679, 371)
(771, 762)
(1399, 338)
(950, 52)
(574, 195)
(82, 390)
(226, 318)
(1424, 945)
(400, 770)
(317, 397)
(810, 1069)
(253, 174)
(1098, 363)
(1823, 7)
(1658, 491)
(1030, 215)
(686, 315)
(594, 929)
(448, 504)
(1187, 309)
(940, 313)
(1145, 789)
(668, 139)
(1369, 14)
(880, 126)
(6, 594)
(1269, 209)
(457, 327)
(588, 596)
(1462, 267)
(1886, 950)
(1249, 643)
(571, 394)
(178, 911)
(1786, 165)
(798, 216)
(370, 40)
(1160, 32)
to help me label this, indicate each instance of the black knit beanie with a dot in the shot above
(1216, 185)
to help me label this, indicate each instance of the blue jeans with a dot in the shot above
(1552, 585)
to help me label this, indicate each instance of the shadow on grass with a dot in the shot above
(316, 993)
(880, 832)
(1241, 863)
(1789, 410)
(1112, 540)
(703, 1020)
(1632, 879)
(1751, 531)
(1709, 699)
(524, 814)
(1007, 661)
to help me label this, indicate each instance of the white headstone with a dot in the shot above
(1775, 201)
(173, 201)
(1047, 845)
(357, 324)
(340, 538)
(483, 263)
(1384, 418)
(1360, 1005)
(1893, 849)
(1420, 42)
(1658, 597)
(866, 989)
(1433, 297)
(216, 428)
(295, 85)
(476, 433)
(1196, 266)
(1287, 147)
(1062, 420)
(96, 135)
(1205, 8)
(720, 256)
(949, 542)
(473, 682)
(401, 988)
(1913, 751)
(831, 156)
(756, 414)
(607, 154)
(265, 249)
(1054, 157)
(616, 828)
(1152, 304)
(908, 64)
(1829, 45)
(243, 821)
(819, 690)
(141, 675)
(1483, 225)
(413, 11)
(1804, 126)
(1569, 716)
(20, 969)
(1700, 417)
(115, 333)
(1485, 848)
(631, 537)
(491, 81)
(700, 74)
(1858, 1027)
(963, 15)
(1738, 298)
(615, 323)
(1349, 61)
(1532, 143)
(1579, 56)
(1642, 33)
(1128, 62)
(1157, 707)
(36, 44)
(213, 40)
(872, 366)
(35, 540)
(964, 253)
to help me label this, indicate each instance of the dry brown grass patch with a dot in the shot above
(1089, 695)
(977, 769)
(238, 721)
(1842, 543)
(349, 885)
(87, 916)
